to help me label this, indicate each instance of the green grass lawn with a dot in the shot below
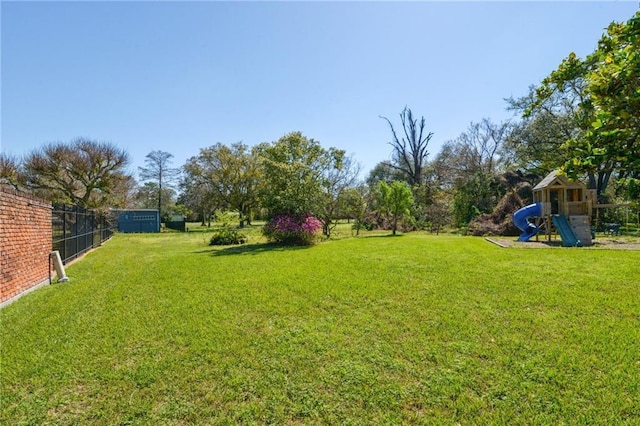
(416, 329)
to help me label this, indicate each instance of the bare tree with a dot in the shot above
(159, 171)
(84, 172)
(410, 150)
(482, 143)
(477, 150)
(10, 172)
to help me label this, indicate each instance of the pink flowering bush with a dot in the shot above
(287, 229)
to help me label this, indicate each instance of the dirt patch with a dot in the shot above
(610, 243)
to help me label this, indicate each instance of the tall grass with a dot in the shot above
(163, 329)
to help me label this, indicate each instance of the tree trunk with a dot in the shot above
(603, 182)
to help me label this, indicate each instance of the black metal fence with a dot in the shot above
(176, 225)
(76, 230)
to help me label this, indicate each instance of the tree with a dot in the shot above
(83, 172)
(339, 176)
(609, 107)
(159, 171)
(10, 172)
(197, 191)
(536, 143)
(467, 168)
(355, 204)
(438, 212)
(410, 150)
(430, 209)
(383, 172)
(472, 197)
(228, 176)
(124, 192)
(240, 168)
(613, 79)
(476, 150)
(395, 200)
(146, 197)
(482, 144)
(294, 170)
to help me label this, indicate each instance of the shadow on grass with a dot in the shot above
(381, 236)
(552, 243)
(252, 249)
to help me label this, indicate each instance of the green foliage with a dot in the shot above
(355, 206)
(146, 197)
(536, 144)
(294, 168)
(609, 105)
(462, 178)
(434, 212)
(383, 171)
(464, 209)
(472, 198)
(337, 179)
(631, 186)
(224, 177)
(417, 330)
(395, 200)
(225, 217)
(613, 80)
(227, 236)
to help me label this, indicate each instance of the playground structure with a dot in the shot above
(560, 207)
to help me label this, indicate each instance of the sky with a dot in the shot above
(181, 76)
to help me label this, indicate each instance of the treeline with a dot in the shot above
(584, 119)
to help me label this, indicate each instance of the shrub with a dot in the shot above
(226, 237)
(294, 230)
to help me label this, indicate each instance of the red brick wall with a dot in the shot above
(25, 242)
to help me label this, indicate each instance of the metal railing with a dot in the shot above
(77, 230)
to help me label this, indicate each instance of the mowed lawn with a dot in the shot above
(416, 329)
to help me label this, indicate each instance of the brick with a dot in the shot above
(25, 242)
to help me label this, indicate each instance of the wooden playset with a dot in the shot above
(566, 201)
(560, 207)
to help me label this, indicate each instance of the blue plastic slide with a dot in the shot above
(520, 220)
(569, 238)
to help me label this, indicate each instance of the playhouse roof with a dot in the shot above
(556, 180)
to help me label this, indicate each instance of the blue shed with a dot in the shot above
(138, 220)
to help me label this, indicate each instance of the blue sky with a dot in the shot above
(180, 76)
